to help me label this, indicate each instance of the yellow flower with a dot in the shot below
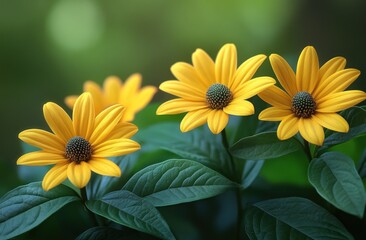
(114, 91)
(313, 96)
(79, 145)
(211, 91)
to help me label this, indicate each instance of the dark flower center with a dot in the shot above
(78, 149)
(218, 96)
(303, 105)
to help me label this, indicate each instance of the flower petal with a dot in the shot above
(111, 87)
(194, 119)
(105, 167)
(337, 82)
(288, 127)
(274, 114)
(115, 147)
(70, 101)
(40, 158)
(339, 101)
(253, 87)
(226, 64)
(276, 97)
(55, 176)
(43, 140)
(217, 121)
(79, 173)
(307, 70)
(246, 70)
(204, 66)
(284, 73)
(311, 131)
(139, 102)
(186, 73)
(183, 90)
(83, 115)
(332, 121)
(97, 94)
(332, 66)
(179, 105)
(239, 107)
(58, 120)
(123, 130)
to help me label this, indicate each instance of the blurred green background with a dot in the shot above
(49, 48)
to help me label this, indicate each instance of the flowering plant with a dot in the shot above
(177, 178)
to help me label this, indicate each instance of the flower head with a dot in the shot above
(127, 94)
(211, 91)
(313, 96)
(79, 145)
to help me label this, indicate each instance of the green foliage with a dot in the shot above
(27, 206)
(102, 233)
(335, 178)
(292, 218)
(128, 209)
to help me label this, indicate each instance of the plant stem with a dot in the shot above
(307, 150)
(84, 198)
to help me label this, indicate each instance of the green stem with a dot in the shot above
(84, 198)
(307, 150)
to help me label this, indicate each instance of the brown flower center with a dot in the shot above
(218, 96)
(78, 149)
(303, 105)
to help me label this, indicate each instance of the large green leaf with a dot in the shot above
(127, 209)
(356, 118)
(250, 171)
(335, 178)
(200, 145)
(177, 181)
(362, 165)
(27, 206)
(264, 146)
(105, 233)
(292, 218)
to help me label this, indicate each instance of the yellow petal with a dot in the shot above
(276, 97)
(105, 167)
(339, 101)
(239, 107)
(123, 130)
(185, 72)
(288, 127)
(84, 115)
(79, 173)
(55, 176)
(183, 90)
(331, 67)
(40, 158)
(105, 122)
(205, 67)
(111, 87)
(179, 105)
(217, 121)
(194, 119)
(253, 87)
(143, 98)
(332, 121)
(337, 82)
(284, 73)
(225, 64)
(307, 70)
(274, 114)
(58, 120)
(130, 89)
(311, 131)
(70, 101)
(246, 70)
(115, 147)
(97, 94)
(43, 140)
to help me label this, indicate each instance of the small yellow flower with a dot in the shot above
(114, 91)
(211, 91)
(313, 96)
(79, 145)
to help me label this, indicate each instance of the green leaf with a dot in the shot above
(356, 118)
(200, 145)
(27, 206)
(362, 165)
(292, 218)
(335, 178)
(104, 233)
(177, 181)
(264, 146)
(127, 209)
(250, 171)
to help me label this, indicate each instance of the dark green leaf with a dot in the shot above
(264, 146)
(127, 209)
(292, 218)
(104, 233)
(27, 206)
(250, 171)
(335, 178)
(177, 181)
(362, 165)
